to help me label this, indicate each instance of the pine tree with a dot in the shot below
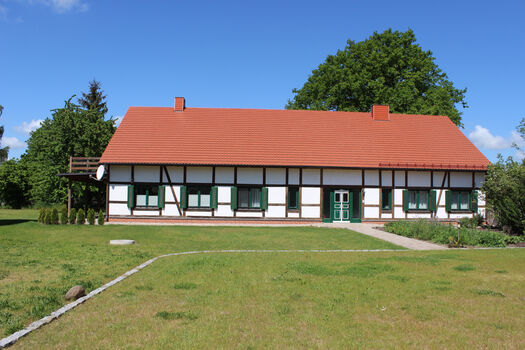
(94, 99)
(5, 150)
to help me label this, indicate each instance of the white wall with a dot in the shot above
(479, 179)
(371, 177)
(118, 193)
(176, 174)
(310, 195)
(399, 178)
(276, 176)
(224, 194)
(249, 175)
(386, 178)
(224, 210)
(224, 175)
(170, 210)
(120, 173)
(342, 177)
(276, 211)
(169, 193)
(119, 209)
(199, 175)
(418, 179)
(146, 212)
(146, 173)
(276, 195)
(460, 179)
(249, 214)
(311, 212)
(371, 212)
(371, 195)
(293, 176)
(311, 176)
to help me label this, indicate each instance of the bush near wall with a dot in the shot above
(54, 216)
(447, 234)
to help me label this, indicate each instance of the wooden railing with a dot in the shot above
(83, 164)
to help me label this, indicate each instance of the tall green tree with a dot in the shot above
(70, 131)
(94, 99)
(14, 184)
(504, 190)
(3, 151)
(387, 68)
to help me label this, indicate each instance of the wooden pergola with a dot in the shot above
(81, 169)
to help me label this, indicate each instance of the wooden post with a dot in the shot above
(69, 198)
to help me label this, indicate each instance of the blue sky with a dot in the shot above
(246, 54)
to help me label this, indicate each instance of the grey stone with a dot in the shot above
(75, 292)
(121, 242)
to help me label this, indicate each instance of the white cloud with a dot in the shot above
(516, 139)
(483, 138)
(520, 154)
(62, 6)
(28, 127)
(12, 143)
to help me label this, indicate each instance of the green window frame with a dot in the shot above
(251, 198)
(461, 201)
(386, 199)
(293, 197)
(419, 200)
(199, 196)
(146, 196)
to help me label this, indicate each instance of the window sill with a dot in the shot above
(146, 208)
(420, 211)
(461, 211)
(386, 210)
(199, 209)
(249, 209)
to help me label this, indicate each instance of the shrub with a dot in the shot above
(54, 216)
(72, 216)
(48, 219)
(91, 216)
(81, 217)
(63, 215)
(100, 219)
(446, 234)
(42, 215)
(514, 239)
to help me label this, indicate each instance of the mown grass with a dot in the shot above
(378, 300)
(39, 263)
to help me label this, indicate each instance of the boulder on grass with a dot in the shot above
(75, 292)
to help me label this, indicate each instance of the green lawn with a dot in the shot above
(381, 300)
(40, 263)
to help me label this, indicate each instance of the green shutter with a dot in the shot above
(405, 200)
(432, 198)
(131, 196)
(214, 199)
(448, 200)
(332, 195)
(233, 197)
(474, 201)
(264, 198)
(162, 195)
(183, 197)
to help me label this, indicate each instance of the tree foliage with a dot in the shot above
(94, 99)
(14, 184)
(3, 151)
(387, 68)
(504, 190)
(71, 131)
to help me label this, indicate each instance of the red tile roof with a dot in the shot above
(259, 137)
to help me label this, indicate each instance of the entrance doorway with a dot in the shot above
(341, 205)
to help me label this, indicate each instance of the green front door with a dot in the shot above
(341, 205)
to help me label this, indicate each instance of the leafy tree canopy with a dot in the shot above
(94, 99)
(71, 131)
(388, 68)
(14, 184)
(504, 190)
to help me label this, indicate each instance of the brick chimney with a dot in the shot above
(380, 112)
(180, 104)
